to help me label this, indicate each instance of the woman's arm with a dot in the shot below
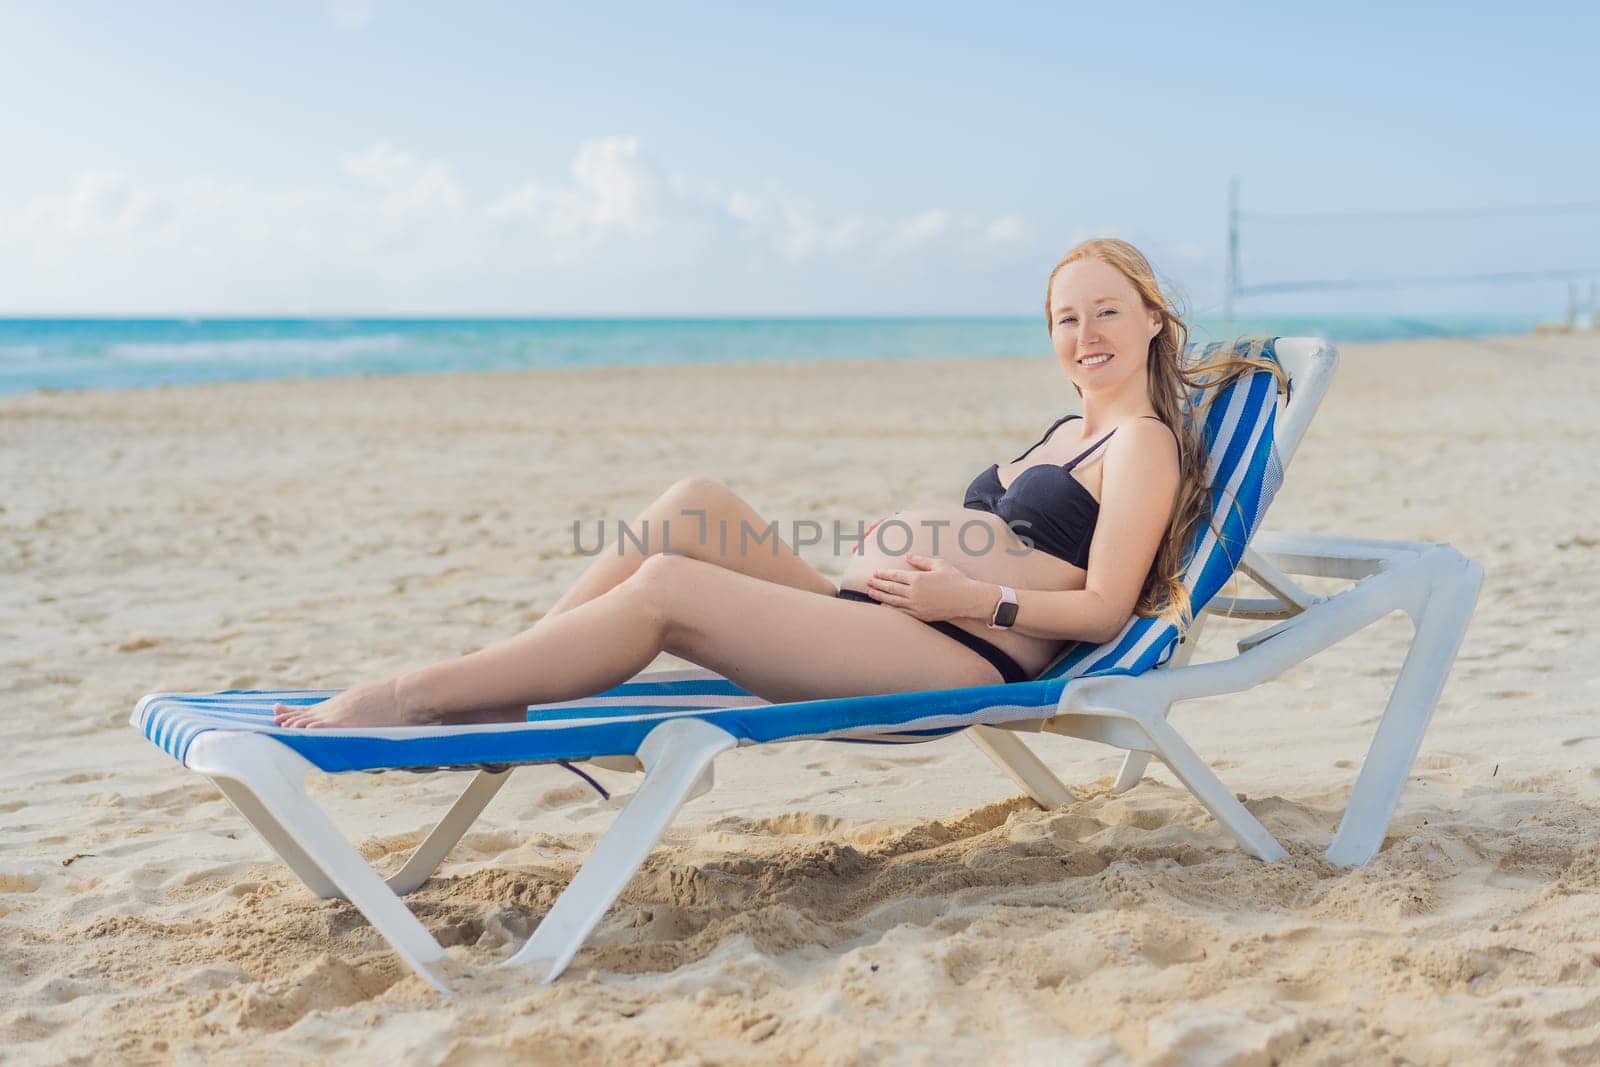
(1137, 494)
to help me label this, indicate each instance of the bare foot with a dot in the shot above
(380, 704)
(376, 704)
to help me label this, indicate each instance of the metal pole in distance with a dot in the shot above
(1232, 281)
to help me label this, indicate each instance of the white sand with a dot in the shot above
(827, 903)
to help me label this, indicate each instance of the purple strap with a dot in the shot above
(598, 788)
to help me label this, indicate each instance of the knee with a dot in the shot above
(690, 508)
(657, 579)
(671, 590)
(695, 490)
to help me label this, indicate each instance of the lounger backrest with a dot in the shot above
(1245, 469)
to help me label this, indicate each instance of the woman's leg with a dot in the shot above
(702, 519)
(705, 520)
(784, 644)
(778, 642)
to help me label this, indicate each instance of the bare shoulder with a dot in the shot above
(1145, 445)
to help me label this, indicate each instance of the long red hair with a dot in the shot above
(1173, 385)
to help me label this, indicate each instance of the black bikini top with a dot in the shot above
(1045, 503)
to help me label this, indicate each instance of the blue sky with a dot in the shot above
(364, 156)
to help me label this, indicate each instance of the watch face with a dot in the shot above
(1006, 615)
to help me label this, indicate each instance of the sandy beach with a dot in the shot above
(826, 903)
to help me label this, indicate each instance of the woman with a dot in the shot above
(1062, 544)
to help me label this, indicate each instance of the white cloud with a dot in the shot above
(799, 234)
(352, 13)
(746, 208)
(612, 190)
(1006, 230)
(380, 164)
(96, 202)
(914, 234)
(939, 232)
(409, 186)
(382, 225)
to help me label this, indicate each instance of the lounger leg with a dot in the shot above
(1118, 711)
(270, 775)
(677, 756)
(427, 856)
(1434, 584)
(1441, 623)
(1134, 763)
(277, 838)
(1026, 769)
(1218, 799)
(1131, 773)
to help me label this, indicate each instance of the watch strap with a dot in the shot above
(1005, 609)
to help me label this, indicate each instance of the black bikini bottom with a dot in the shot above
(1009, 669)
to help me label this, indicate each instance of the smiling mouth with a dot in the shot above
(1096, 360)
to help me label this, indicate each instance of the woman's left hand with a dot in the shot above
(932, 590)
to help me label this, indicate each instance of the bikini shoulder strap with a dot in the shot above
(1046, 436)
(1080, 456)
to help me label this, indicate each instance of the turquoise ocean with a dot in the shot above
(105, 353)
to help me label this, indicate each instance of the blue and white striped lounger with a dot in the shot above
(672, 724)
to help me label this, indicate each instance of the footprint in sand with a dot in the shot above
(1164, 952)
(1140, 816)
(565, 796)
(861, 763)
(797, 823)
(173, 801)
(493, 842)
(1313, 991)
(17, 882)
(375, 848)
(320, 985)
(139, 644)
(1577, 1018)
(27, 1027)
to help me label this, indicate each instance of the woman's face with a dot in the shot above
(1096, 313)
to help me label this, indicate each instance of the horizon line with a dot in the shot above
(367, 316)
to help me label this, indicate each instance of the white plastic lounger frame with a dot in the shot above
(1435, 585)
(1432, 583)
(265, 781)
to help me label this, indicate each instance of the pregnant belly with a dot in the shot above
(983, 548)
